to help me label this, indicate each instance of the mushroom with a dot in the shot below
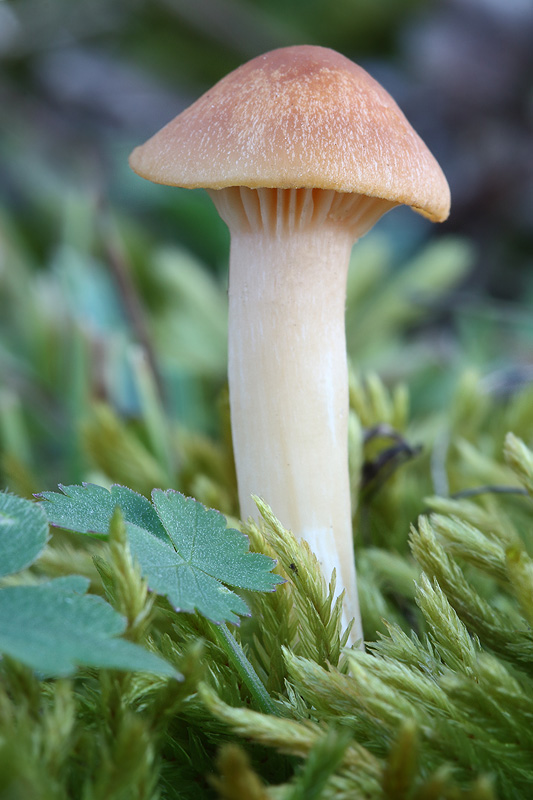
(301, 152)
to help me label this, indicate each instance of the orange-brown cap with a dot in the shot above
(298, 117)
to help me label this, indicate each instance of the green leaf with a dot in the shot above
(89, 508)
(23, 533)
(55, 627)
(185, 550)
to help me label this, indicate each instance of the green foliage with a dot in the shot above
(83, 628)
(431, 706)
(383, 298)
(318, 612)
(185, 551)
(439, 706)
(237, 779)
(23, 533)
(117, 451)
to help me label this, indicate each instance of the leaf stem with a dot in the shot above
(246, 671)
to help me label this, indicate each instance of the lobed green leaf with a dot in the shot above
(185, 550)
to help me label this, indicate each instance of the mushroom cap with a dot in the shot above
(298, 117)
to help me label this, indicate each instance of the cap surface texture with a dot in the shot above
(298, 117)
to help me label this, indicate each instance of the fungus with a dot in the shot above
(301, 152)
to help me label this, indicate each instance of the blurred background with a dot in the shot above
(113, 290)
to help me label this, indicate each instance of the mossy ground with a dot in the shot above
(439, 705)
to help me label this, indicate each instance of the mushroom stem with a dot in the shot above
(288, 381)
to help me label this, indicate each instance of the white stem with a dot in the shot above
(287, 365)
